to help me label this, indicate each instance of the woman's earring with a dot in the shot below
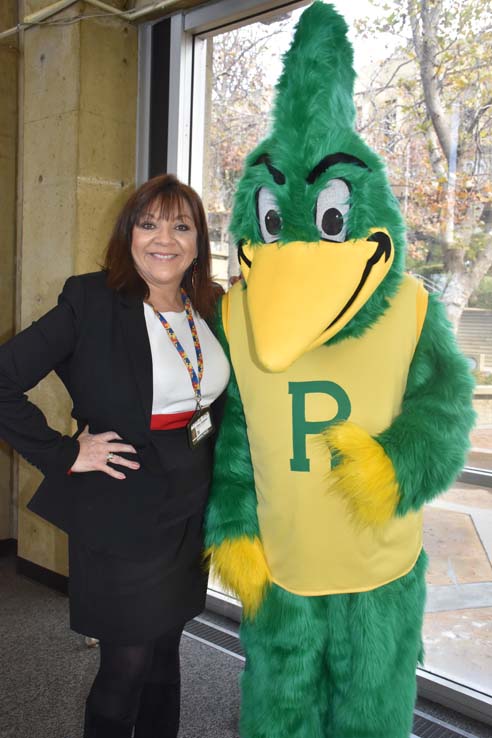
(194, 272)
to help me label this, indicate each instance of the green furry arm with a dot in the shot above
(231, 511)
(428, 442)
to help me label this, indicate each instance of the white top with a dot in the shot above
(172, 388)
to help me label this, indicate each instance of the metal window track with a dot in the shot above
(426, 726)
(227, 641)
(215, 636)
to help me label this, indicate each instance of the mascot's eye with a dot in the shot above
(332, 209)
(269, 216)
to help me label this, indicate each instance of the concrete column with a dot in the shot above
(9, 55)
(79, 133)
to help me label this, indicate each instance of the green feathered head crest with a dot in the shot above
(314, 200)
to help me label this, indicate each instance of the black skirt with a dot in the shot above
(132, 600)
(125, 601)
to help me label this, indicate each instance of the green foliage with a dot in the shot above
(482, 377)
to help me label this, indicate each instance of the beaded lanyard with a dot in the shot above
(195, 380)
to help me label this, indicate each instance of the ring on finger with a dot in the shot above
(110, 457)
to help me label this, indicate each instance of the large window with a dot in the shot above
(423, 97)
(243, 66)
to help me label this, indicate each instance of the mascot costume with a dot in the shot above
(348, 409)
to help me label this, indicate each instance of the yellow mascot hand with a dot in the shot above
(241, 566)
(364, 472)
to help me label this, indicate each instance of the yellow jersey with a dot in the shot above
(313, 544)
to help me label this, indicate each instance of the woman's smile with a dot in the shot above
(163, 248)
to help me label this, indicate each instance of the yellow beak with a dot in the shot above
(301, 294)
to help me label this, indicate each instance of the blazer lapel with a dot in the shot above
(131, 313)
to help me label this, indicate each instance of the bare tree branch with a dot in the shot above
(426, 48)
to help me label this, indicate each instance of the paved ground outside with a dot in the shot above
(458, 622)
(481, 437)
(480, 455)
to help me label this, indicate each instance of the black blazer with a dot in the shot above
(96, 340)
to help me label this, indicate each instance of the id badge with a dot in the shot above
(200, 427)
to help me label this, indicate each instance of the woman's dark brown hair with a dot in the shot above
(167, 193)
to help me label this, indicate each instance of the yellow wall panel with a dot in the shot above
(51, 66)
(9, 56)
(98, 205)
(79, 134)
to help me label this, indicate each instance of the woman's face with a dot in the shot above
(163, 249)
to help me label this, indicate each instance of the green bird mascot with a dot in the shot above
(348, 409)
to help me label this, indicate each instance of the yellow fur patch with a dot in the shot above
(241, 566)
(365, 474)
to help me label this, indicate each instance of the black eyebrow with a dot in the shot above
(330, 161)
(277, 175)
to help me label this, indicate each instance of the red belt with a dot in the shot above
(171, 420)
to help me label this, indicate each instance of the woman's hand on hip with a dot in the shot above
(98, 449)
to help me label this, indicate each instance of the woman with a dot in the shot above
(143, 370)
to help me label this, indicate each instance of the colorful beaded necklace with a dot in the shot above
(195, 380)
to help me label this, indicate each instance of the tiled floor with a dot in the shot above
(46, 671)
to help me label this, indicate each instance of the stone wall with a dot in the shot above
(78, 166)
(9, 60)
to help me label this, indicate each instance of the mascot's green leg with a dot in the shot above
(339, 666)
(372, 655)
(283, 684)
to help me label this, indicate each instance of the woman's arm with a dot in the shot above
(24, 361)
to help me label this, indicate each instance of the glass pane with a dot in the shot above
(243, 67)
(434, 131)
(480, 456)
(458, 623)
(442, 178)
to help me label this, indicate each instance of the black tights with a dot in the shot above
(140, 685)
